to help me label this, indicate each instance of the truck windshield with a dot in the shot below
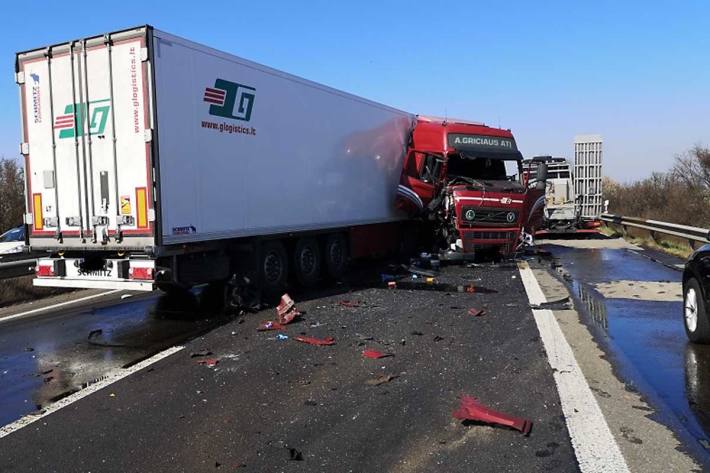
(482, 168)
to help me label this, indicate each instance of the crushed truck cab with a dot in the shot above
(466, 179)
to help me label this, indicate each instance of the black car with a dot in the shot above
(696, 293)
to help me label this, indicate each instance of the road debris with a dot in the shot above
(209, 362)
(201, 353)
(375, 354)
(476, 312)
(558, 304)
(382, 379)
(281, 336)
(269, 325)
(392, 285)
(471, 409)
(351, 304)
(286, 311)
(294, 455)
(315, 341)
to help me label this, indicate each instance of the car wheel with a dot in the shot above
(697, 326)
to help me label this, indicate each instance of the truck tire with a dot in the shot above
(695, 318)
(306, 261)
(335, 253)
(273, 268)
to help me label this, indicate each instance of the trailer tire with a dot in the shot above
(335, 253)
(306, 261)
(273, 268)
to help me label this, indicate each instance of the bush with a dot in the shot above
(12, 200)
(681, 195)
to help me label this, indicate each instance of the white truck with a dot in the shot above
(564, 206)
(153, 161)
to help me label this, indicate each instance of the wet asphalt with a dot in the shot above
(644, 339)
(46, 358)
(280, 405)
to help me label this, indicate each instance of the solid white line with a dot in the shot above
(54, 306)
(92, 388)
(594, 445)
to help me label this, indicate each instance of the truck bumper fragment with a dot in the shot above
(471, 409)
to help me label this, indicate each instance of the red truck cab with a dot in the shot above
(466, 179)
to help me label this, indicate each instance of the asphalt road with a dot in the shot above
(280, 405)
(631, 300)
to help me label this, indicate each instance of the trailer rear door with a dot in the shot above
(87, 121)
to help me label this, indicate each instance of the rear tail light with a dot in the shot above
(144, 273)
(45, 270)
(50, 268)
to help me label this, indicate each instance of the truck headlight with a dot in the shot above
(511, 216)
(470, 214)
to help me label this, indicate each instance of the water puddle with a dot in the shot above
(645, 338)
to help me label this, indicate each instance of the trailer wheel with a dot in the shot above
(336, 255)
(306, 258)
(273, 267)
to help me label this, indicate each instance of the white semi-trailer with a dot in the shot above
(152, 160)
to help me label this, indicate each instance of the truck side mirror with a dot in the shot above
(540, 185)
(542, 172)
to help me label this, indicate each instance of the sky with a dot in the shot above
(636, 72)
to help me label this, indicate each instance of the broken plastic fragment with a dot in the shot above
(385, 378)
(315, 341)
(347, 303)
(210, 362)
(471, 409)
(198, 354)
(375, 354)
(476, 312)
(295, 455)
(286, 310)
(269, 325)
(281, 336)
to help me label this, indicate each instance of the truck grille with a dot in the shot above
(491, 235)
(476, 216)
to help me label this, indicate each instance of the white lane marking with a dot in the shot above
(92, 388)
(594, 445)
(54, 306)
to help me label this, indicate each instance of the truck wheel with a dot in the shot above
(273, 268)
(306, 258)
(697, 325)
(336, 255)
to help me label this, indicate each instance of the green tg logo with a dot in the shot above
(75, 116)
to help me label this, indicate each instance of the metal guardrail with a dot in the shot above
(13, 269)
(692, 234)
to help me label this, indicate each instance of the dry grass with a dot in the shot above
(646, 241)
(16, 290)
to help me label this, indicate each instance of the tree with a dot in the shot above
(12, 200)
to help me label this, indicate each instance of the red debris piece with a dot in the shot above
(208, 362)
(349, 303)
(269, 325)
(315, 341)
(471, 409)
(476, 312)
(374, 354)
(286, 310)
(470, 288)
